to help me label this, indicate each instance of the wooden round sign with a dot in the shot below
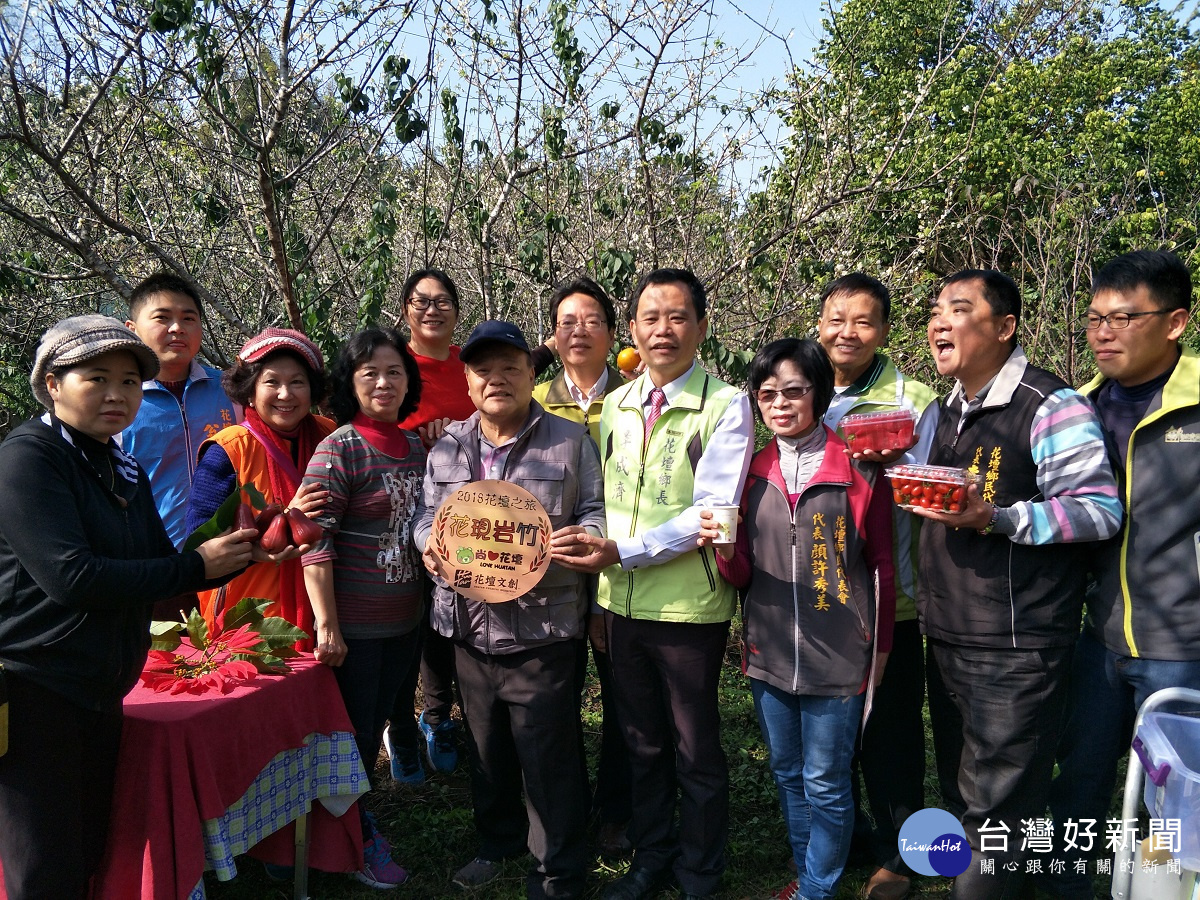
(493, 539)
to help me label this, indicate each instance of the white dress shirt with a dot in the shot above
(720, 477)
(585, 399)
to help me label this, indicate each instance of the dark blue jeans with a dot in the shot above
(811, 740)
(1106, 691)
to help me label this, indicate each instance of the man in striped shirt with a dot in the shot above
(1001, 584)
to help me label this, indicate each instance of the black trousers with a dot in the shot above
(891, 754)
(435, 668)
(665, 675)
(524, 714)
(1011, 705)
(56, 786)
(369, 679)
(612, 798)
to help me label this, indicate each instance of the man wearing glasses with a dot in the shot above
(585, 328)
(1142, 631)
(1001, 584)
(673, 441)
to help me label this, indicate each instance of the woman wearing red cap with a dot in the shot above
(278, 378)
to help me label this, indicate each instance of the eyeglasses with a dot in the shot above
(422, 303)
(592, 325)
(1117, 320)
(766, 398)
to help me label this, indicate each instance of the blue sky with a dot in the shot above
(781, 35)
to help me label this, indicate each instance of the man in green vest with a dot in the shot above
(673, 441)
(855, 313)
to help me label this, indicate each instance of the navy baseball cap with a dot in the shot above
(492, 331)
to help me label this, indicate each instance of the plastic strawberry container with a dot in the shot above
(1169, 748)
(889, 430)
(940, 488)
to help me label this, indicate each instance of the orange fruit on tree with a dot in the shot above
(628, 360)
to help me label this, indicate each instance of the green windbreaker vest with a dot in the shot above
(645, 486)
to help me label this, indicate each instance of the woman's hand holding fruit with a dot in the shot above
(228, 552)
(283, 534)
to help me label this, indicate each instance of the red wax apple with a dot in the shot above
(304, 529)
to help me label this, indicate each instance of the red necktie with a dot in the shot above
(657, 399)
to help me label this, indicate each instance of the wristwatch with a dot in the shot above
(991, 525)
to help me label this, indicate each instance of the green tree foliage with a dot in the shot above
(296, 161)
(1039, 137)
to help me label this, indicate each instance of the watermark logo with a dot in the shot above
(932, 842)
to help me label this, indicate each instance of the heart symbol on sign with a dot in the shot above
(493, 555)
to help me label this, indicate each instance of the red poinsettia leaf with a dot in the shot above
(158, 681)
(240, 639)
(240, 669)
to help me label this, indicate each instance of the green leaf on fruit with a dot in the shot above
(222, 519)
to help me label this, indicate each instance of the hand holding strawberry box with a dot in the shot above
(889, 430)
(939, 488)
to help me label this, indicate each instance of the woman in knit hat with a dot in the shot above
(83, 557)
(278, 378)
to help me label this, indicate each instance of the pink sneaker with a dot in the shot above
(379, 869)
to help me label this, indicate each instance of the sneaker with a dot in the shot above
(440, 744)
(789, 891)
(476, 873)
(379, 869)
(612, 842)
(277, 872)
(405, 761)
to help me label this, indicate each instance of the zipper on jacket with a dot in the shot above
(712, 584)
(795, 602)
(795, 580)
(795, 584)
(187, 434)
(637, 505)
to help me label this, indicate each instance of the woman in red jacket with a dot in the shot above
(815, 539)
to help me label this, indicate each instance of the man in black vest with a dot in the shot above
(1001, 585)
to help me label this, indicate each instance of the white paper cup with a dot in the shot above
(726, 518)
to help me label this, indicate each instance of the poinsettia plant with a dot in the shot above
(195, 655)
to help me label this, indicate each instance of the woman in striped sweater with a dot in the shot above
(363, 576)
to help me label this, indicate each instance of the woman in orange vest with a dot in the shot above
(278, 378)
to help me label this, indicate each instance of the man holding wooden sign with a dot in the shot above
(514, 616)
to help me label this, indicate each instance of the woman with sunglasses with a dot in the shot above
(815, 540)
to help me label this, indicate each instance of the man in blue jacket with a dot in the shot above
(1142, 631)
(184, 405)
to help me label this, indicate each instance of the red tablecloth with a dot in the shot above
(187, 758)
